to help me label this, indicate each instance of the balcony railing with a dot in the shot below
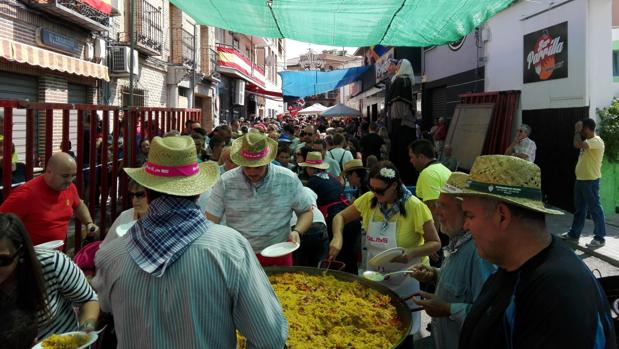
(149, 30)
(86, 11)
(188, 48)
(208, 59)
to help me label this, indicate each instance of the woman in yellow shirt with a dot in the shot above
(391, 217)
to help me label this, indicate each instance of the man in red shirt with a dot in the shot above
(46, 204)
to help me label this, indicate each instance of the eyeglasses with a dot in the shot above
(137, 194)
(7, 260)
(522, 131)
(379, 191)
(306, 134)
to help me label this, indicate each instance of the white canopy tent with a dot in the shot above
(315, 108)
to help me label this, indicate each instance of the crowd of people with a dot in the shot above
(183, 268)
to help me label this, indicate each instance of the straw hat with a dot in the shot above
(314, 159)
(505, 178)
(354, 164)
(455, 183)
(172, 168)
(254, 149)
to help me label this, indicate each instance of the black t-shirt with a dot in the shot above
(370, 145)
(328, 190)
(552, 301)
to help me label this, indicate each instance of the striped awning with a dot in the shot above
(22, 53)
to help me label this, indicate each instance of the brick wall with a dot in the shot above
(152, 78)
(176, 35)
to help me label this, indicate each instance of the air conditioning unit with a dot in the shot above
(239, 96)
(121, 60)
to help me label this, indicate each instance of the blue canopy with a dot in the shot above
(340, 110)
(309, 83)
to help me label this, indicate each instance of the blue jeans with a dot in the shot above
(587, 200)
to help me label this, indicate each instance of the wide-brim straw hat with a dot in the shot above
(314, 159)
(254, 149)
(455, 183)
(508, 179)
(354, 164)
(172, 168)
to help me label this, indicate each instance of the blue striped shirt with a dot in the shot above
(213, 289)
(260, 212)
(67, 287)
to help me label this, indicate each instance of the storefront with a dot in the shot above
(558, 54)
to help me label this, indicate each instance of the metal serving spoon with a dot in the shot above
(376, 276)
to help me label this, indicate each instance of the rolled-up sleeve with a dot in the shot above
(303, 201)
(215, 204)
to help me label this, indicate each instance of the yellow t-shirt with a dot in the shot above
(589, 166)
(409, 229)
(431, 180)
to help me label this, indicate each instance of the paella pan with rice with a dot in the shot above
(332, 309)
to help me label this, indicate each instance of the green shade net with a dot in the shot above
(347, 22)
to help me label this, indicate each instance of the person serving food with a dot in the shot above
(392, 217)
(258, 198)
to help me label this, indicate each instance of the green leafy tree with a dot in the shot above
(609, 130)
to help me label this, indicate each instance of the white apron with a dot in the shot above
(379, 239)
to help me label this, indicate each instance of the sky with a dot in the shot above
(296, 48)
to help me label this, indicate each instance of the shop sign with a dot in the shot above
(545, 54)
(58, 42)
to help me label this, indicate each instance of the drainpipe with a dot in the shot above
(132, 46)
(192, 78)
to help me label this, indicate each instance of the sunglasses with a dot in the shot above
(306, 134)
(379, 191)
(137, 195)
(7, 260)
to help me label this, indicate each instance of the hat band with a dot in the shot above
(313, 162)
(251, 155)
(506, 190)
(171, 171)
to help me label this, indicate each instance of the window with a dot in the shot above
(235, 43)
(616, 63)
(139, 97)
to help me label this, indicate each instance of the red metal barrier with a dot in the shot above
(99, 173)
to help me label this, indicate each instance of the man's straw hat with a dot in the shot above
(254, 149)
(172, 168)
(505, 178)
(314, 159)
(455, 183)
(354, 164)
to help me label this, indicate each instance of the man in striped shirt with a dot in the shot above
(176, 280)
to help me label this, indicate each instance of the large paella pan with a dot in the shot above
(308, 307)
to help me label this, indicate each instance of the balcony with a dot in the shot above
(82, 13)
(188, 48)
(208, 61)
(231, 61)
(148, 29)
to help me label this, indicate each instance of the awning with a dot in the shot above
(348, 23)
(22, 53)
(310, 83)
(257, 90)
(315, 108)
